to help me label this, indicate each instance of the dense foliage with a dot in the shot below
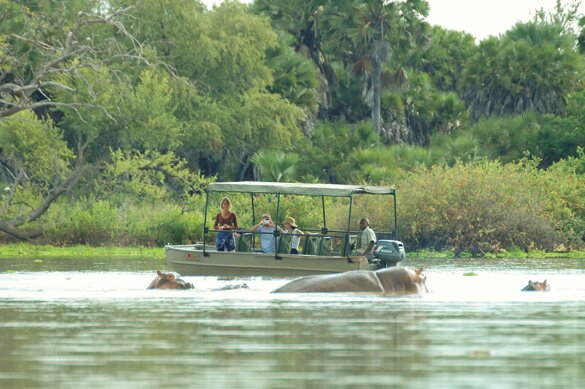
(490, 207)
(114, 115)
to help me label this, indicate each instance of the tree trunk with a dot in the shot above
(377, 95)
(17, 227)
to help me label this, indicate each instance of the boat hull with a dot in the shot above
(190, 260)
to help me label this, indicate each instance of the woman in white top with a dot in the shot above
(290, 227)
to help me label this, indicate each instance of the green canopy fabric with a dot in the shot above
(299, 188)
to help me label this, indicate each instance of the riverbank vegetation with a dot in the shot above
(114, 116)
(28, 250)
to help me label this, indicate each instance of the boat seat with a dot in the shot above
(284, 244)
(311, 246)
(326, 246)
(244, 242)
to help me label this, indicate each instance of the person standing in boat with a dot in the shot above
(225, 222)
(367, 239)
(290, 228)
(266, 228)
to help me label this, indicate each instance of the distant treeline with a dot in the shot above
(476, 208)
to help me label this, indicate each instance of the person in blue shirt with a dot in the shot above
(266, 228)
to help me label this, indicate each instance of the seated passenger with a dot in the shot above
(266, 228)
(290, 227)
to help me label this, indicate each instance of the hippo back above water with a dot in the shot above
(394, 280)
(168, 281)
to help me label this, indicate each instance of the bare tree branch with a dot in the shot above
(17, 95)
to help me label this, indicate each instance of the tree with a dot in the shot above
(302, 20)
(581, 37)
(276, 166)
(226, 98)
(295, 78)
(41, 168)
(367, 33)
(68, 67)
(560, 137)
(444, 57)
(34, 57)
(429, 110)
(38, 49)
(327, 157)
(533, 67)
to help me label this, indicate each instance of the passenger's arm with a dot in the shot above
(370, 246)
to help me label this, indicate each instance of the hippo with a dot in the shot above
(392, 281)
(168, 281)
(536, 286)
(235, 286)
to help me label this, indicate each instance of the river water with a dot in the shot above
(91, 323)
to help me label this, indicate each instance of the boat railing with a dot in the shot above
(313, 242)
(319, 242)
(386, 235)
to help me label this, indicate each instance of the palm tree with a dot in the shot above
(366, 33)
(301, 19)
(295, 77)
(444, 57)
(275, 166)
(533, 67)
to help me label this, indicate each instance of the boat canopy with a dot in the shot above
(299, 188)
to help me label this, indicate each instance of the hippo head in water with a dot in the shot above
(391, 281)
(168, 281)
(536, 286)
(402, 280)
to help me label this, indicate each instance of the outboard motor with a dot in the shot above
(389, 252)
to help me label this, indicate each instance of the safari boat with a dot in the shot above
(322, 250)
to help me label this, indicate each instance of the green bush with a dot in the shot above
(563, 187)
(106, 222)
(93, 223)
(476, 208)
(156, 225)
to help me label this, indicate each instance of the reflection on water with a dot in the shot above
(68, 327)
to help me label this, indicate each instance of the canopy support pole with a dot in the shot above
(346, 245)
(205, 229)
(276, 240)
